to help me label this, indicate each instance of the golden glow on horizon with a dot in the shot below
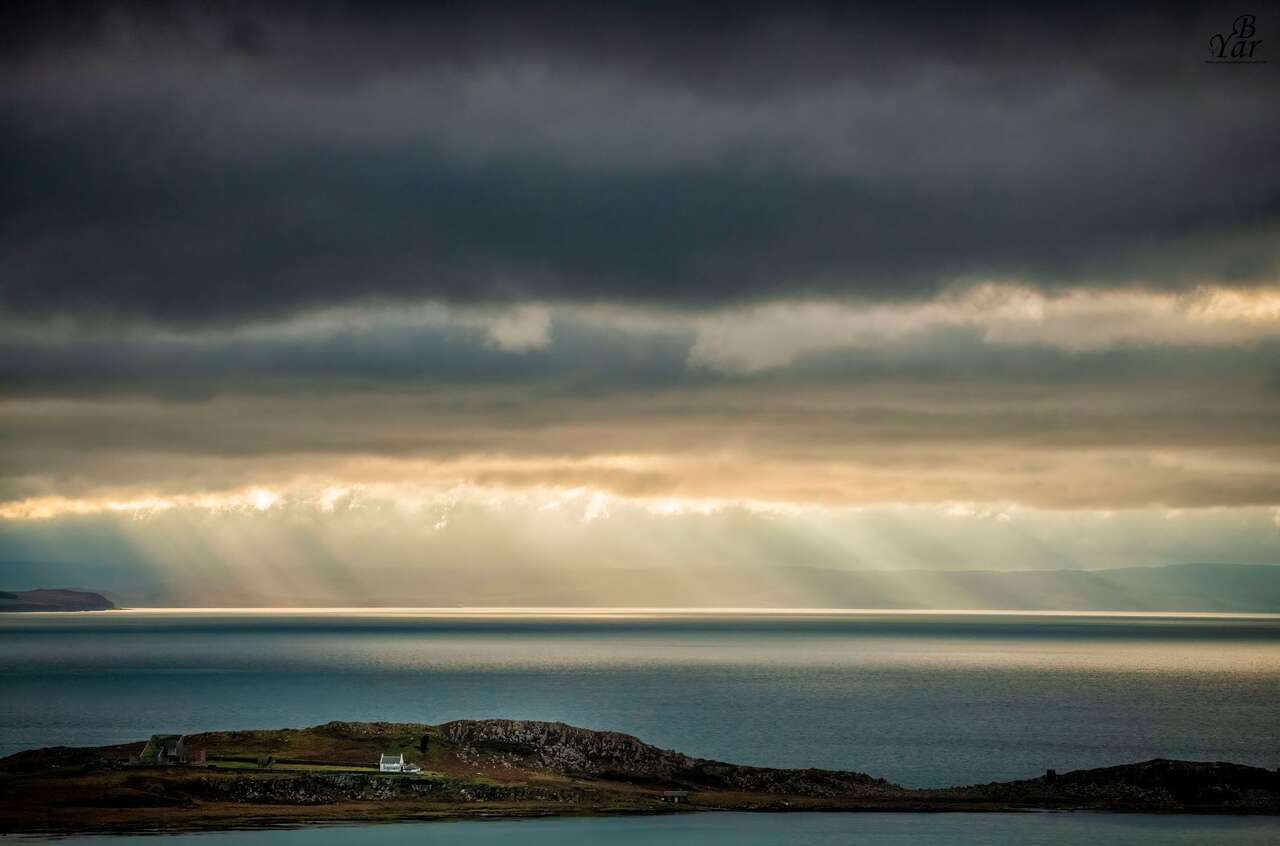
(404, 497)
(52, 507)
(1233, 304)
(515, 612)
(776, 446)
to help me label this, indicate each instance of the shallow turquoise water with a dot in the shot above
(923, 700)
(774, 830)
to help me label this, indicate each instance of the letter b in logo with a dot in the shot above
(1244, 26)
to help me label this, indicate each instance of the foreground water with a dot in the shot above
(774, 830)
(922, 699)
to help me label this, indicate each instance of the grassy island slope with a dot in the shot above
(479, 768)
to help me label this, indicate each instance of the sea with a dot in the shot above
(924, 699)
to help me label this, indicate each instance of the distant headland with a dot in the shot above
(54, 599)
(378, 772)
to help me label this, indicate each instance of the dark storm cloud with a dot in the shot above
(583, 354)
(209, 162)
(743, 46)
(579, 358)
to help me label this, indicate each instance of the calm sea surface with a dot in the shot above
(921, 699)
(773, 830)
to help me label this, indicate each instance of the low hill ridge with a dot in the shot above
(498, 767)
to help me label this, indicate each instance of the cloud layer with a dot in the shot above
(799, 264)
(210, 162)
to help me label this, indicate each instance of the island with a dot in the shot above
(382, 772)
(54, 599)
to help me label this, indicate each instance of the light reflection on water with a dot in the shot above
(923, 699)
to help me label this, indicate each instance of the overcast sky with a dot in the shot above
(333, 284)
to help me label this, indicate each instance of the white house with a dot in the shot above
(396, 764)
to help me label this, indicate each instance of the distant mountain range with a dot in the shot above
(1182, 587)
(1241, 588)
(54, 599)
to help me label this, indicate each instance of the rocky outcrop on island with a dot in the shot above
(54, 599)
(574, 751)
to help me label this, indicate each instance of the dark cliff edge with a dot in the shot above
(504, 768)
(54, 599)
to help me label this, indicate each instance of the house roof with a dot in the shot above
(392, 759)
(162, 744)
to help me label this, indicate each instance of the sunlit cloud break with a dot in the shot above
(301, 294)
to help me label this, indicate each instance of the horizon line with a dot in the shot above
(638, 611)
